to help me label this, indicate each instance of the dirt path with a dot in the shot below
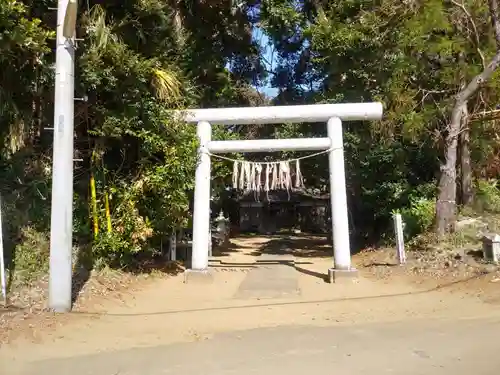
(168, 311)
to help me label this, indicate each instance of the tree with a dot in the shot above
(416, 57)
(136, 60)
(137, 64)
(23, 72)
(446, 203)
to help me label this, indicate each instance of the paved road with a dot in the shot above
(411, 347)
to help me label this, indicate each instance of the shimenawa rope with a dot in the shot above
(247, 175)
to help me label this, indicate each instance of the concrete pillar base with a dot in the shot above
(339, 276)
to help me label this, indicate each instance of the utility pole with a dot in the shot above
(61, 221)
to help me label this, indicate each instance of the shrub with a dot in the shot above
(419, 216)
(488, 195)
(31, 255)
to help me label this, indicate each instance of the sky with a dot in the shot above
(269, 62)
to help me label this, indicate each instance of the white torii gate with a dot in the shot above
(333, 114)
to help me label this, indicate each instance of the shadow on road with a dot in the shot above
(303, 246)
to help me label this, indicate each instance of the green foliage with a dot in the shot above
(24, 42)
(142, 58)
(414, 57)
(136, 62)
(32, 254)
(149, 188)
(419, 216)
(488, 195)
(25, 210)
(20, 34)
(130, 231)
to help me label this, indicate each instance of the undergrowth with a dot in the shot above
(485, 211)
(131, 242)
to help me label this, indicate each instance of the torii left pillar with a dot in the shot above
(201, 218)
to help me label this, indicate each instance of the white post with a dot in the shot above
(210, 241)
(398, 230)
(338, 197)
(2, 259)
(173, 246)
(61, 224)
(201, 215)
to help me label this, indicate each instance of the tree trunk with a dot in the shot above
(447, 188)
(465, 163)
(178, 24)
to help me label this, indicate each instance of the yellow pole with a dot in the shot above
(108, 214)
(93, 198)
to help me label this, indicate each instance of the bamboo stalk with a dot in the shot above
(93, 201)
(108, 214)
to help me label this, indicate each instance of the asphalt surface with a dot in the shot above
(427, 347)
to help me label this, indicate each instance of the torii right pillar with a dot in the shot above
(342, 269)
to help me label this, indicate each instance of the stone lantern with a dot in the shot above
(221, 228)
(221, 224)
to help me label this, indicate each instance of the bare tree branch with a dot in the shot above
(493, 5)
(474, 27)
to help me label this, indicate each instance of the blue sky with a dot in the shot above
(269, 59)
